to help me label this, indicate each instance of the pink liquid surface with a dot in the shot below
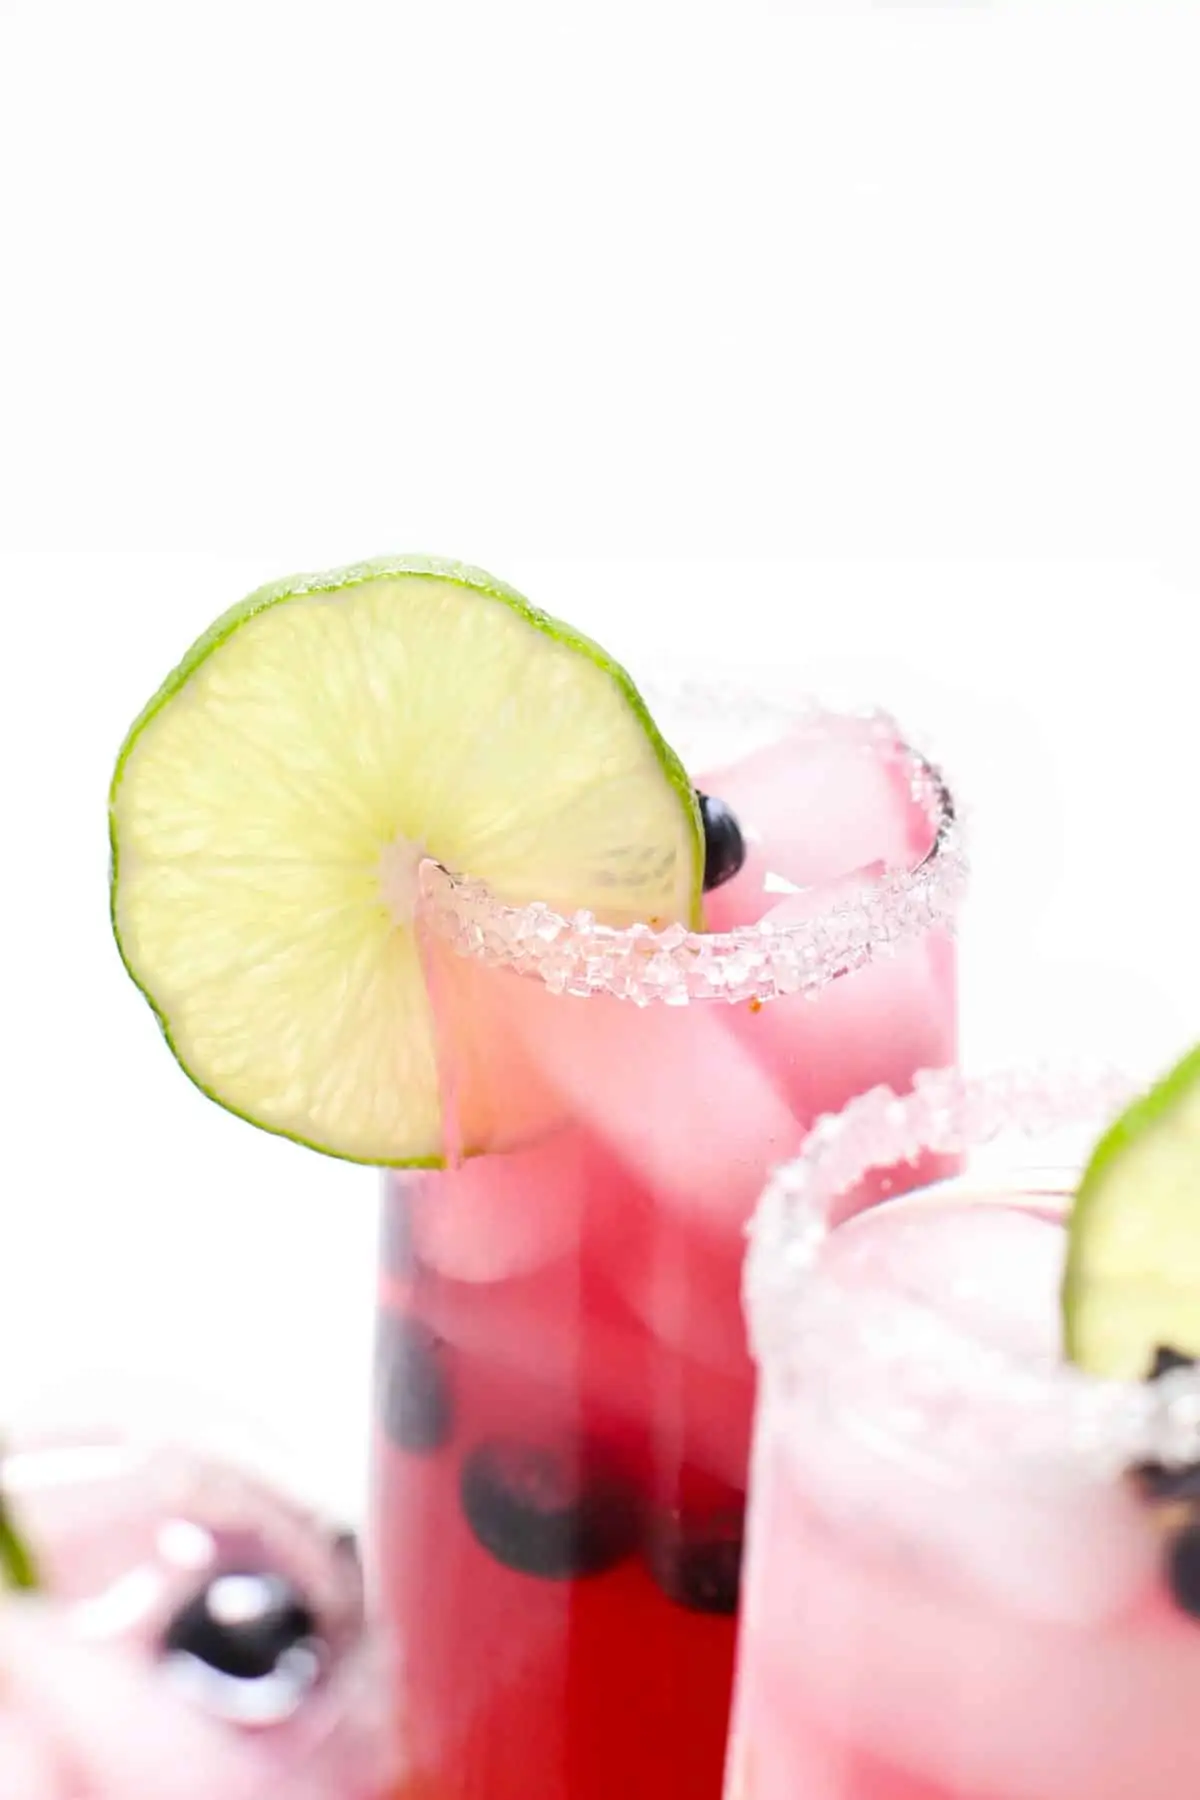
(563, 1319)
(928, 1624)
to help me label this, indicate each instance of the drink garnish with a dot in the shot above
(18, 1570)
(273, 803)
(1131, 1286)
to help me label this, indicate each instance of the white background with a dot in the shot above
(860, 341)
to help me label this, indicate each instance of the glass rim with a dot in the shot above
(931, 1384)
(859, 917)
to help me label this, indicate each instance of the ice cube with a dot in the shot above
(813, 807)
(979, 1274)
(502, 1215)
(549, 1332)
(684, 1287)
(883, 1645)
(700, 1421)
(991, 1270)
(672, 1093)
(875, 1026)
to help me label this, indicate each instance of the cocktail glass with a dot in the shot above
(564, 1389)
(956, 1584)
(189, 1633)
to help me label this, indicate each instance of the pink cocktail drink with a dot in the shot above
(565, 1392)
(957, 1583)
(194, 1635)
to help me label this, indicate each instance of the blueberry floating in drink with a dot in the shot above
(413, 1385)
(697, 1562)
(546, 1509)
(1183, 1568)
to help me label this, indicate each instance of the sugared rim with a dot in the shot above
(924, 1379)
(859, 918)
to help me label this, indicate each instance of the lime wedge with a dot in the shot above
(272, 803)
(17, 1567)
(1132, 1279)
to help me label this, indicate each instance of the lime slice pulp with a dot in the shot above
(272, 804)
(18, 1569)
(1132, 1281)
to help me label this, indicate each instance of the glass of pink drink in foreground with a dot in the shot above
(955, 1589)
(564, 1390)
(193, 1635)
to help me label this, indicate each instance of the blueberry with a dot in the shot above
(1167, 1360)
(1183, 1569)
(724, 845)
(246, 1646)
(1166, 1485)
(698, 1563)
(413, 1384)
(546, 1510)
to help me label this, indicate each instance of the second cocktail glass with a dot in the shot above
(961, 1579)
(564, 1391)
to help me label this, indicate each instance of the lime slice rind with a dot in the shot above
(1131, 1283)
(341, 581)
(279, 790)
